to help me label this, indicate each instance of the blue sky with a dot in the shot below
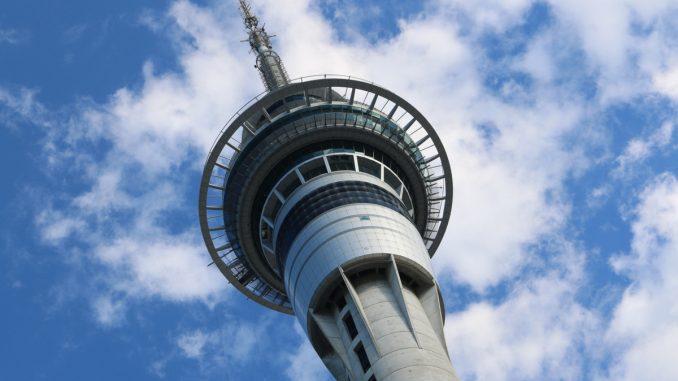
(559, 118)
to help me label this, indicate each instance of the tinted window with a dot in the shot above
(350, 326)
(391, 179)
(313, 168)
(362, 357)
(341, 162)
(289, 184)
(369, 166)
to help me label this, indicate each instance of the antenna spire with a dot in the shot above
(269, 64)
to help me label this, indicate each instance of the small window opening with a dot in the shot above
(313, 168)
(407, 201)
(272, 208)
(362, 357)
(289, 184)
(341, 163)
(391, 179)
(350, 326)
(370, 167)
(341, 302)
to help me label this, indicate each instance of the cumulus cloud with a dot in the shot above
(108, 312)
(11, 36)
(639, 149)
(303, 362)
(21, 105)
(192, 344)
(644, 327)
(536, 333)
(666, 82)
(152, 135)
(217, 350)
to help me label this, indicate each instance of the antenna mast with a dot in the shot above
(269, 64)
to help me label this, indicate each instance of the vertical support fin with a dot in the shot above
(329, 328)
(433, 306)
(359, 305)
(374, 101)
(306, 98)
(397, 287)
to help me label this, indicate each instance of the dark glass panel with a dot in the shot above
(341, 163)
(362, 357)
(272, 208)
(313, 168)
(350, 326)
(391, 179)
(289, 184)
(369, 166)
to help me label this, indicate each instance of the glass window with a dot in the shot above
(369, 166)
(266, 233)
(341, 163)
(362, 357)
(313, 168)
(391, 179)
(407, 201)
(341, 302)
(350, 326)
(272, 207)
(289, 184)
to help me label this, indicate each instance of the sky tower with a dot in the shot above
(325, 198)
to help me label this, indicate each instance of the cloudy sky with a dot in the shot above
(559, 117)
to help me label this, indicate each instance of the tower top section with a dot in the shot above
(269, 64)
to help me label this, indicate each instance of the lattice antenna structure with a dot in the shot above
(269, 64)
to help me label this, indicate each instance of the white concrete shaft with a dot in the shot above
(401, 332)
(342, 235)
(398, 353)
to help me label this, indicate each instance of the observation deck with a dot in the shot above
(309, 129)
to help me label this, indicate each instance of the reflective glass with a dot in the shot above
(341, 163)
(369, 166)
(313, 168)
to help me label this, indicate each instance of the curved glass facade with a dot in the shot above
(326, 198)
(329, 162)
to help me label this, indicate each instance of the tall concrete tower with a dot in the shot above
(325, 198)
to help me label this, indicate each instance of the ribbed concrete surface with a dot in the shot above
(399, 356)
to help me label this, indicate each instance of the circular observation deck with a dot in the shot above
(277, 134)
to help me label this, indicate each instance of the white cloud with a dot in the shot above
(666, 82)
(304, 364)
(10, 36)
(193, 343)
(109, 312)
(165, 266)
(639, 149)
(644, 328)
(225, 347)
(536, 333)
(21, 105)
(493, 14)
(626, 42)
(120, 219)
(55, 227)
